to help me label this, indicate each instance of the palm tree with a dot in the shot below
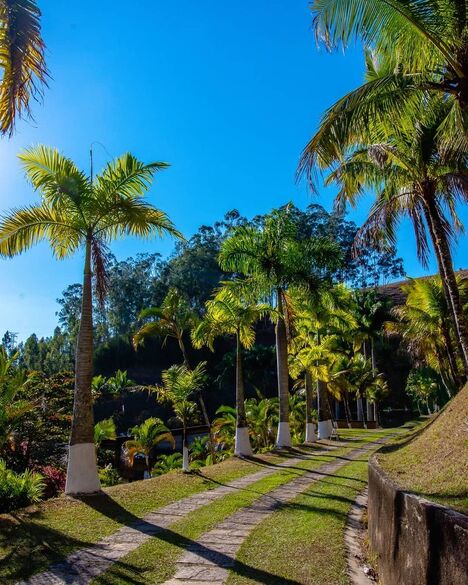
(104, 430)
(369, 311)
(231, 313)
(424, 324)
(274, 258)
(412, 178)
(179, 384)
(174, 319)
(78, 211)
(146, 436)
(117, 385)
(21, 59)
(420, 48)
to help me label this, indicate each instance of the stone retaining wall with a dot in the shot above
(417, 542)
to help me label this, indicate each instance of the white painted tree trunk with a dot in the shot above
(283, 438)
(242, 446)
(310, 435)
(82, 477)
(325, 429)
(185, 459)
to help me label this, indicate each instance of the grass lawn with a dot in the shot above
(303, 542)
(32, 539)
(434, 461)
(154, 561)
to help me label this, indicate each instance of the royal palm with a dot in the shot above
(78, 212)
(232, 313)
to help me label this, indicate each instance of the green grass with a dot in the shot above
(31, 540)
(433, 462)
(303, 542)
(154, 562)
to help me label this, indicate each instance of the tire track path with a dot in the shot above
(209, 559)
(84, 565)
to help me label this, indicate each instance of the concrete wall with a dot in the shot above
(417, 542)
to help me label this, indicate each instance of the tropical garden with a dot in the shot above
(257, 334)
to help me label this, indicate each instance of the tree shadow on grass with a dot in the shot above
(105, 505)
(301, 470)
(31, 547)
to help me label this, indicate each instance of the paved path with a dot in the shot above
(209, 559)
(88, 563)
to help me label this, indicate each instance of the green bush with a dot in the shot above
(109, 476)
(19, 489)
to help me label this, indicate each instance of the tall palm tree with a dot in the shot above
(231, 313)
(21, 60)
(268, 255)
(174, 318)
(78, 211)
(179, 384)
(414, 178)
(146, 436)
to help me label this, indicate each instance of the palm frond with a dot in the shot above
(22, 60)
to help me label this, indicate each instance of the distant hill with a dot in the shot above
(434, 463)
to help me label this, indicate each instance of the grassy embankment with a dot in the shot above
(433, 462)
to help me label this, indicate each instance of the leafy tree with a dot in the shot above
(80, 211)
(22, 60)
(146, 436)
(179, 384)
(230, 312)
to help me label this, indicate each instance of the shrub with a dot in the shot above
(109, 476)
(167, 463)
(54, 480)
(19, 489)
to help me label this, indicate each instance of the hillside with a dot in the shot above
(434, 463)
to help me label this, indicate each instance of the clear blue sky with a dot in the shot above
(227, 92)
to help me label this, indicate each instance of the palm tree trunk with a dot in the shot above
(449, 281)
(310, 435)
(82, 474)
(283, 438)
(206, 418)
(185, 449)
(242, 445)
(325, 426)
